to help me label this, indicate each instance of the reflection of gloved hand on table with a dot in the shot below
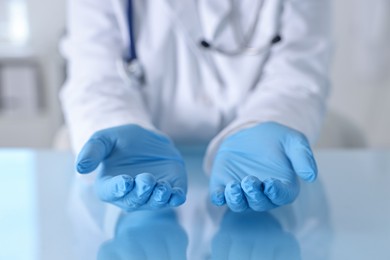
(253, 235)
(257, 168)
(146, 235)
(137, 168)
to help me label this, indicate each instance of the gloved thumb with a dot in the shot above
(93, 153)
(298, 151)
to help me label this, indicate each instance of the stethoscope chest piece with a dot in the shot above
(134, 70)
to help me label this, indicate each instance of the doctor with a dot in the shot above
(248, 77)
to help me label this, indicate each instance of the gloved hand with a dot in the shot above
(257, 168)
(139, 169)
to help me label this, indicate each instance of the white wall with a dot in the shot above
(361, 70)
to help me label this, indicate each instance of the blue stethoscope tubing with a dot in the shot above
(130, 68)
(132, 53)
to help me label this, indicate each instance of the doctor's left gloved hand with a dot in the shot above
(257, 168)
(137, 168)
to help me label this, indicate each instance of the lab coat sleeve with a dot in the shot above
(294, 84)
(95, 96)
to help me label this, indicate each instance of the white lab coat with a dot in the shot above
(192, 94)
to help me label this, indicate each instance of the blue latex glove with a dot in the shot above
(139, 169)
(257, 168)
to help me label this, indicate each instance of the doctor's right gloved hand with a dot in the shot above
(257, 168)
(138, 169)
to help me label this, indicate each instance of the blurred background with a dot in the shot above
(32, 72)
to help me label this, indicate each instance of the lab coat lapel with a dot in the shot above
(186, 16)
(185, 12)
(214, 15)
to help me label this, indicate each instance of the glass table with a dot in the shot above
(46, 212)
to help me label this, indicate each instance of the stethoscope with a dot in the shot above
(133, 69)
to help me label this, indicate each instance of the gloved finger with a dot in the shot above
(161, 195)
(301, 157)
(113, 188)
(254, 193)
(143, 187)
(218, 196)
(280, 193)
(93, 153)
(235, 198)
(178, 197)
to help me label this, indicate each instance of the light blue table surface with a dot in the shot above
(344, 215)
